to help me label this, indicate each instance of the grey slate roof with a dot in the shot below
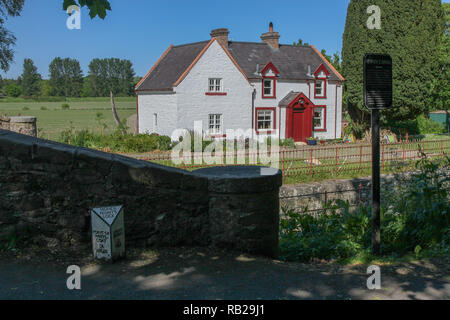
(291, 61)
(288, 99)
(172, 66)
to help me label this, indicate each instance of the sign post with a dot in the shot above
(108, 233)
(377, 96)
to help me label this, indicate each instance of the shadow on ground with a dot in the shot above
(207, 274)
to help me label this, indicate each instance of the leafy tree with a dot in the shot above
(13, 90)
(66, 78)
(335, 60)
(411, 33)
(30, 79)
(96, 7)
(46, 89)
(441, 86)
(300, 43)
(11, 8)
(106, 75)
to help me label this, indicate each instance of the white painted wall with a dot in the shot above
(284, 87)
(195, 105)
(189, 103)
(164, 104)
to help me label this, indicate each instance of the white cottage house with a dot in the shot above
(280, 90)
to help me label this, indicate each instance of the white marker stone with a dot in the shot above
(108, 233)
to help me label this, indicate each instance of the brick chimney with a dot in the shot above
(221, 35)
(271, 37)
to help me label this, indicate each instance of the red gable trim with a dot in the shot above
(320, 69)
(328, 64)
(297, 98)
(154, 66)
(270, 66)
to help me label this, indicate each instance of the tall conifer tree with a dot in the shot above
(411, 32)
(31, 79)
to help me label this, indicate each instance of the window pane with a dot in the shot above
(319, 87)
(319, 118)
(264, 120)
(215, 85)
(268, 87)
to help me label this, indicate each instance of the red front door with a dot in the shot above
(301, 124)
(299, 118)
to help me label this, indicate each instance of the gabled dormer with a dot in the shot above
(269, 81)
(320, 83)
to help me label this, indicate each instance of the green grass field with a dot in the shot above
(52, 119)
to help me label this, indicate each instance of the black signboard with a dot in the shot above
(377, 81)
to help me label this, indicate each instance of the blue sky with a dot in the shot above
(140, 30)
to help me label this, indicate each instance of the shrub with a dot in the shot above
(44, 108)
(65, 106)
(116, 142)
(415, 217)
(420, 125)
(290, 143)
(13, 90)
(25, 108)
(428, 126)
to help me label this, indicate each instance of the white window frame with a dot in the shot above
(265, 112)
(322, 94)
(215, 85)
(215, 123)
(321, 118)
(272, 81)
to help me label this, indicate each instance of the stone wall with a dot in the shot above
(47, 190)
(311, 196)
(4, 122)
(23, 125)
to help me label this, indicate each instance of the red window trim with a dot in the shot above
(322, 68)
(324, 88)
(274, 120)
(274, 91)
(215, 136)
(215, 93)
(272, 67)
(324, 119)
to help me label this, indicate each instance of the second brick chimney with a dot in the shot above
(221, 35)
(271, 38)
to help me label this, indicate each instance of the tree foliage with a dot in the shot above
(96, 7)
(441, 86)
(13, 90)
(66, 78)
(411, 33)
(8, 8)
(111, 74)
(335, 60)
(30, 79)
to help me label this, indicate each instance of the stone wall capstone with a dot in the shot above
(47, 190)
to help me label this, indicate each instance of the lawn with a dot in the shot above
(52, 119)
